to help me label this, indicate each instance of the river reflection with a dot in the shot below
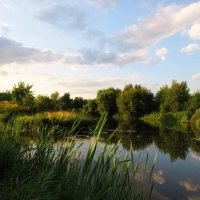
(177, 172)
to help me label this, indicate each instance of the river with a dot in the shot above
(177, 169)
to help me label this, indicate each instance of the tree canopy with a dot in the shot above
(174, 98)
(22, 94)
(107, 101)
(133, 102)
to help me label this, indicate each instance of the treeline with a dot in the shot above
(131, 103)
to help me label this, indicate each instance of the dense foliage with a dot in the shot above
(174, 98)
(133, 102)
(107, 101)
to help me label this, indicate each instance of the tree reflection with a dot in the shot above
(175, 143)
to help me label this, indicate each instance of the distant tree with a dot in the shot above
(65, 102)
(22, 94)
(133, 102)
(179, 96)
(5, 96)
(161, 99)
(194, 102)
(43, 103)
(55, 100)
(55, 96)
(174, 98)
(107, 101)
(78, 103)
(90, 108)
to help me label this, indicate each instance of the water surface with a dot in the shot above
(177, 171)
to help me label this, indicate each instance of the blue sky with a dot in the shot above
(81, 46)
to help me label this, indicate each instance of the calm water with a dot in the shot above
(177, 171)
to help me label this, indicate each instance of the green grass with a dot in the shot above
(63, 119)
(195, 123)
(45, 170)
(173, 120)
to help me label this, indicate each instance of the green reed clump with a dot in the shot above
(45, 170)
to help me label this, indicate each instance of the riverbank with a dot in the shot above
(174, 120)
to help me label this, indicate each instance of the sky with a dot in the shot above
(82, 46)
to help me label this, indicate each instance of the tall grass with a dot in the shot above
(42, 170)
(62, 118)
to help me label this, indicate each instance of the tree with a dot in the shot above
(161, 99)
(174, 98)
(22, 94)
(65, 101)
(55, 100)
(78, 103)
(90, 108)
(134, 102)
(43, 103)
(194, 102)
(107, 101)
(5, 96)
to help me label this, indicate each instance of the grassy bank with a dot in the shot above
(44, 170)
(173, 120)
(61, 118)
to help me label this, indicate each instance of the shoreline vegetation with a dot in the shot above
(43, 169)
(179, 121)
(172, 106)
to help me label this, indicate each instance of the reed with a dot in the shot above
(45, 170)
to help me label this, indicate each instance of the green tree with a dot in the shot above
(55, 100)
(194, 102)
(134, 102)
(22, 94)
(78, 103)
(65, 102)
(5, 96)
(174, 98)
(161, 99)
(43, 103)
(107, 101)
(90, 108)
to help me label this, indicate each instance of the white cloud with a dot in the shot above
(66, 17)
(3, 73)
(194, 32)
(196, 76)
(189, 186)
(158, 177)
(102, 3)
(162, 53)
(136, 56)
(190, 48)
(4, 27)
(195, 155)
(163, 23)
(14, 52)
